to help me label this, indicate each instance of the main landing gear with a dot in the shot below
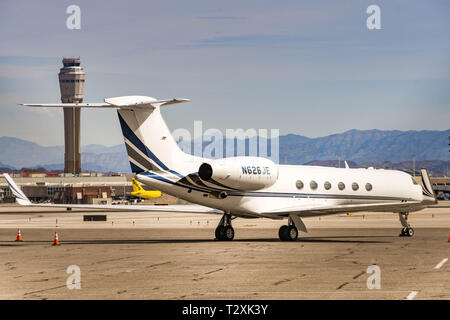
(224, 231)
(407, 231)
(288, 232)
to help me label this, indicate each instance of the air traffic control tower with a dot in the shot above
(71, 83)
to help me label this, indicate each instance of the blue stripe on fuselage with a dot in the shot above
(135, 168)
(131, 136)
(275, 194)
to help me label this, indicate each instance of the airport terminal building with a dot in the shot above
(86, 188)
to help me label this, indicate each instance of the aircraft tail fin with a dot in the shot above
(136, 185)
(21, 198)
(148, 140)
(149, 143)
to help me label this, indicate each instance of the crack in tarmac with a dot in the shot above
(209, 272)
(43, 290)
(359, 275)
(158, 264)
(281, 281)
(342, 285)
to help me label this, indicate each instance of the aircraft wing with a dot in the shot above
(317, 210)
(146, 208)
(23, 200)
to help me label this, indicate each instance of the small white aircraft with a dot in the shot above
(247, 187)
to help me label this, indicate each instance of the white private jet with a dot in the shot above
(247, 187)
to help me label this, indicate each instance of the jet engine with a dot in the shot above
(242, 173)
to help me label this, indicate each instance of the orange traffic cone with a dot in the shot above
(19, 235)
(56, 241)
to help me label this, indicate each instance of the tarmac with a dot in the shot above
(135, 255)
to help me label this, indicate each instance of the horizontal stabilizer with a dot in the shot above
(124, 102)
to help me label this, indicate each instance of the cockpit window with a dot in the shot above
(414, 180)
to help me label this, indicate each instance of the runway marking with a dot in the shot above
(440, 264)
(412, 295)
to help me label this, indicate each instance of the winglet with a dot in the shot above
(21, 198)
(426, 185)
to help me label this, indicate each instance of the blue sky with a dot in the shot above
(304, 67)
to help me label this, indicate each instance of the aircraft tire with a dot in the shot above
(226, 233)
(409, 232)
(219, 232)
(292, 233)
(283, 233)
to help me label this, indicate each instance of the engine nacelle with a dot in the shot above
(242, 173)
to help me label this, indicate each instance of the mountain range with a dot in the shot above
(361, 147)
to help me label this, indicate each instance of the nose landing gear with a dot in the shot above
(407, 231)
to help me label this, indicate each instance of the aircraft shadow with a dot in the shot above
(343, 239)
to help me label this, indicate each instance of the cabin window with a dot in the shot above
(355, 186)
(368, 186)
(327, 185)
(299, 184)
(313, 185)
(341, 186)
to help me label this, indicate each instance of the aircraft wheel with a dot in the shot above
(219, 232)
(282, 233)
(409, 232)
(292, 233)
(226, 233)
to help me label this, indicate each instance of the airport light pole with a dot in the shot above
(414, 165)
